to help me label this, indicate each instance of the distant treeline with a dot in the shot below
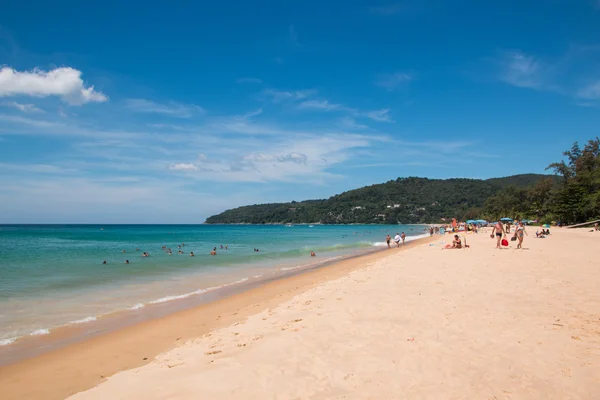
(570, 196)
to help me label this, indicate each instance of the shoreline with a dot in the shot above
(134, 345)
(49, 338)
(196, 283)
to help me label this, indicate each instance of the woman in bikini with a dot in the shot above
(499, 231)
(519, 233)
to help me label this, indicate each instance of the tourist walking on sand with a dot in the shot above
(403, 236)
(519, 233)
(397, 239)
(499, 231)
(388, 239)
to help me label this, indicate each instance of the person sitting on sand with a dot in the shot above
(539, 234)
(312, 254)
(456, 244)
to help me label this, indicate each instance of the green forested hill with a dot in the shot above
(405, 200)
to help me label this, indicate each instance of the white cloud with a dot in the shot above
(249, 80)
(183, 167)
(172, 109)
(391, 81)
(31, 122)
(590, 92)
(521, 70)
(63, 82)
(320, 104)
(278, 96)
(380, 115)
(252, 113)
(26, 108)
(305, 158)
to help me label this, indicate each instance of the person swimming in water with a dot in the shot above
(191, 254)
(312, 254)
(104, 262)
(126, 261)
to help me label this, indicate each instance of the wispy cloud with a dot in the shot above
(30, 121)
(307, 157)
(380, 115)
(320, 105)
(521, 70)
(172, 109)
(389, 9)
(392, 81)
(351, 124)
(324, 105)
(590, 91)
(573, 74)
(26, 108)
(65, 83)
(249, 80)
(278, 96)
(186, 167)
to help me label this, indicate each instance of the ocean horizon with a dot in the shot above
(53, 275)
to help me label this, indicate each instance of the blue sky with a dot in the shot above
(168, 112)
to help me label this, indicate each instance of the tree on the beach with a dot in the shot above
(577, 199)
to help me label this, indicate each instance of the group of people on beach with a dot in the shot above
(397, 239)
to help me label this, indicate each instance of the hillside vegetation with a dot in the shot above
(404, 200)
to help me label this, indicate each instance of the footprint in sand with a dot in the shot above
(210, 353)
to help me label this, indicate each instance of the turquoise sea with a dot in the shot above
(53, 275)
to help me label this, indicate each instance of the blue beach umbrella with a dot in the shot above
(471, 221)
(506, 219)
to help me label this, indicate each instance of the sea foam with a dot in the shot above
(7, 341)
(83, 320)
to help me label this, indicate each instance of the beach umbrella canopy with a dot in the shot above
(506, 219)
(481, 221)
(471, 221)
(545, 226)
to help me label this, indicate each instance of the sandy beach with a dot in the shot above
(420, 323)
